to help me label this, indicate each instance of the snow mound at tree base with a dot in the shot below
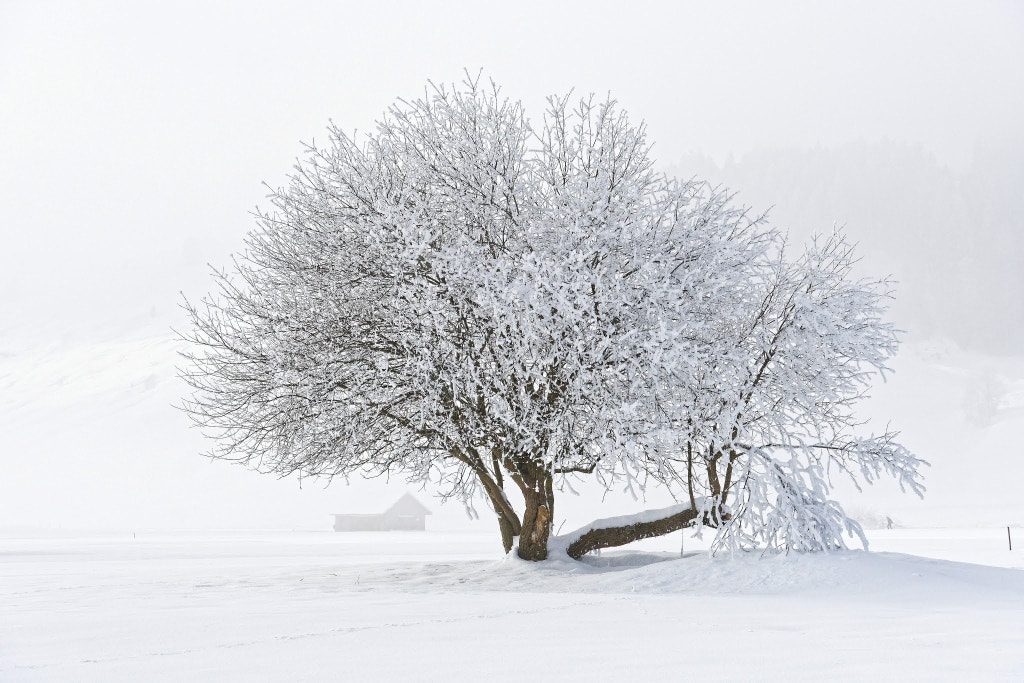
(852, 572)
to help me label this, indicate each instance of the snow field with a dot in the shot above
(448, 607)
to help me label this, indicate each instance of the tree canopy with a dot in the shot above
(480, 303)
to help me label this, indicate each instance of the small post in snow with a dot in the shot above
(1009, 539)
(682, 541)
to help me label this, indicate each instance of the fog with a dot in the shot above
(135, 141)
(951, 238)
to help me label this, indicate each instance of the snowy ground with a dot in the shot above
(447, 607)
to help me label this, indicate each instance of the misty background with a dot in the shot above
(135, 141)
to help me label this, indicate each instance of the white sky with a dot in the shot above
(134, 136)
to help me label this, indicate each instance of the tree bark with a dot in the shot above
(621, 535)
(533, 541)
(508, 521)
(712, 468)
(537, 519)
(508, 533)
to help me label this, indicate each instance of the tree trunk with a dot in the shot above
(537, 520)
(508, 520)
(621, 535)
(508, 532)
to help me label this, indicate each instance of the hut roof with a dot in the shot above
(407, 505)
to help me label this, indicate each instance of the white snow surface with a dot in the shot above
(448, 607)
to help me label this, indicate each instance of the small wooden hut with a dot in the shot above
(407, 514)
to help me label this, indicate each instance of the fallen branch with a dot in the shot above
(616, 531)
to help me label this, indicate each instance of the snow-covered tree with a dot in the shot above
(477, 303)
